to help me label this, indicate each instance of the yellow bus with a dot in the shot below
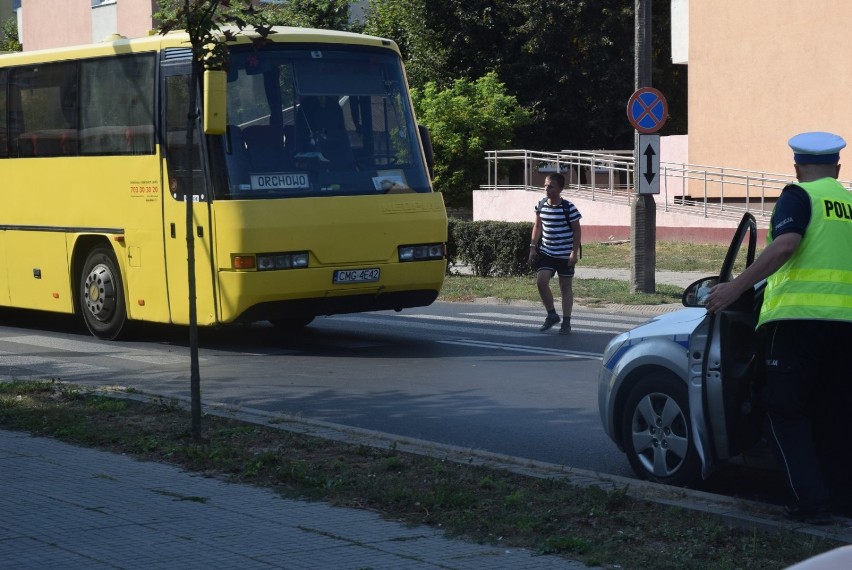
(316, 200)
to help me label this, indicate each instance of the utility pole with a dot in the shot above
(194, 371)
(644, 210)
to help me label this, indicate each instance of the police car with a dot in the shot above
(678, 394)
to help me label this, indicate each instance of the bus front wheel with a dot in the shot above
(102, 294)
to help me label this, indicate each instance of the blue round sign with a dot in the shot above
(647, 110)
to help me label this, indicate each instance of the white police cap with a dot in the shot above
(816, 147)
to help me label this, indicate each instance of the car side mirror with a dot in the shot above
(696, 294)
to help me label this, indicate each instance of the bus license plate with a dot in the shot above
(356, 275)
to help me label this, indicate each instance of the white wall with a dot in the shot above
(680, 31)
(602, 221)
(104, 21)
(606, 220)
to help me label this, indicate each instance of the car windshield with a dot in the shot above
(319, 120)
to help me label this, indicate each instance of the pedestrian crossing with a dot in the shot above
(18, 367)
(56, 357)
(47, 356)
(97, 348)
(531, 320)
(577, 354)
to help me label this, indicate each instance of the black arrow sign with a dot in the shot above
(649, 164)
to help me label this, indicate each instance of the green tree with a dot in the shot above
(466, 120)
(569, 61)
(9, 36)
(403, 21)
(323, 14)
(203, 20)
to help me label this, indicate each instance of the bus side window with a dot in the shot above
(45, 104)
(4, 109)
(118, 101)
(181, 174)
(16, 120)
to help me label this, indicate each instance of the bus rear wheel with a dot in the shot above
(102, 294)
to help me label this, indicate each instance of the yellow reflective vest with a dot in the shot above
(816, 282)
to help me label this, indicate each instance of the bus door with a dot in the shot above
(185, 177)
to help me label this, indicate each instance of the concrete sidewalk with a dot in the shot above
(676, 278)
(82, 509)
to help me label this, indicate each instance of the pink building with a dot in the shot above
(55, 23)
(760, 72)
(48, 23)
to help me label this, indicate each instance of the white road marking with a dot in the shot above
(579, 325)
(100, 349)
(523, 348)
(12, 367)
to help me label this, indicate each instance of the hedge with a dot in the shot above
(498, 249)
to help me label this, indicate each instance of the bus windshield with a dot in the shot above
(317, 120)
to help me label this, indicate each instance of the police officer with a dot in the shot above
(806, 320)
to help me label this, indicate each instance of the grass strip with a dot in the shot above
(606, 528)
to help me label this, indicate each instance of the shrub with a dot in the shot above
(490, 248)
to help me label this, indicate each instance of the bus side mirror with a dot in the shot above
(426, 140)
(215, 101)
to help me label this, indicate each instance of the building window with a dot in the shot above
(96, 3)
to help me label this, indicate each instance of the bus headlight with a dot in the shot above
(422, 252)
(273, 261)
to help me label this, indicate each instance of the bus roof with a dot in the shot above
(116, 44)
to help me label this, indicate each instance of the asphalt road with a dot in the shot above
(475, 375)
(469, 374)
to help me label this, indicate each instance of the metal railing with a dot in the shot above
(608, 175)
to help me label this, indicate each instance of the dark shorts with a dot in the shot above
(555, 265)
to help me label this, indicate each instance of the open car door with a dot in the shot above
(723, 359)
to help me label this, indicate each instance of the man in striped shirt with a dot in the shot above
(557, 225)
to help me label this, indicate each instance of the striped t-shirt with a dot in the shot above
(557, 237)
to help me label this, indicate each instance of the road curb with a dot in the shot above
(729, 510)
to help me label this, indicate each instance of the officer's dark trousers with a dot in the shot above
(808, 400)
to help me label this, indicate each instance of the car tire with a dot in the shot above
(656, 431)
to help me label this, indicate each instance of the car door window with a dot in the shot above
(721, 402)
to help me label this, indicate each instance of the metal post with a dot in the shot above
(748, 191)
(496, 170)
(644, 210)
